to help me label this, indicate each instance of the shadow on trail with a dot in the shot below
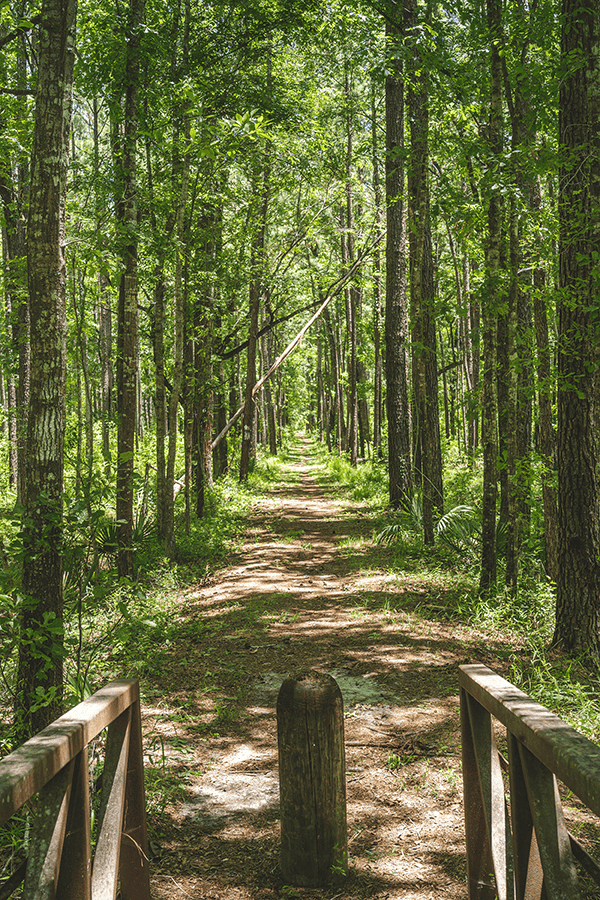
(226, 709)
(289, 602)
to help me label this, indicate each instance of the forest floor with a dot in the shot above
(304, 590)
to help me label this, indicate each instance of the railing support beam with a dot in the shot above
(528, 851)
(54, 765)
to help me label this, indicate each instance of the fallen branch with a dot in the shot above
(333, 292)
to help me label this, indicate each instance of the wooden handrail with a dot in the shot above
(521, 849)
(54, 765)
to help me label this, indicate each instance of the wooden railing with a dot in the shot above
(54, 765)
(520, 849)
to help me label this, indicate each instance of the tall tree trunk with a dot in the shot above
(547, 436)
(104, 313)
(106, 369)
(422, 281)
(520, 304)
(347, 236)
(320, 386)
(513, 536)
(127, 327)
(40, 666)
(162, 236)
(396, 317)
(181, 169)
(578, 585)
(14, 189)
(492, 303)
(203, 392)
(467, 339)
(11, 381)
(220, 454)
(257, 262)
(337, 410)
(189, 385)
(268, 355)
(17, 314)
(160, 399)
(474, 344)
(79, 316)
(377, 309)
(350, 304)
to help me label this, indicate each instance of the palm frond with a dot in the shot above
(460, 529)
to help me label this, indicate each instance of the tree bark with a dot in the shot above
(256, 286)
(512, 523)
(127, 328)
(160, 397)
(547, 435)
(104, 315)
(377, 308)
(520, 304)
(181, 171)
(14, 189)
(425, 384)
(492, 302)
(578, 585)
(38, 697)
(396, 317)
(202, 391)
(352, 289)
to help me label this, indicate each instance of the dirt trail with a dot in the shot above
(296, 596)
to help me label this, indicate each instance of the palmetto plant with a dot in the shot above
(459, 529)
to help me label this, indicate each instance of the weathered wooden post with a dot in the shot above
(312, 779)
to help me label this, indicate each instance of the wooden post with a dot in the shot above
(312, 779)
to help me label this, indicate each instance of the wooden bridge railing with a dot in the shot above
(54, 765)
(521, 850)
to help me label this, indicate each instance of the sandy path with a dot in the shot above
(299, 567)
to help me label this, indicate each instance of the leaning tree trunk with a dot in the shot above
(38, 696)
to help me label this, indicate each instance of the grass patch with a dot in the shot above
(367, 482)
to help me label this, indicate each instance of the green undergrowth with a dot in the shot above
(144, 628)
(367, 482)
(132, 631)
(115, 628)
(441, 582)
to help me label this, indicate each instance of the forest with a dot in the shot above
(223, 223)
